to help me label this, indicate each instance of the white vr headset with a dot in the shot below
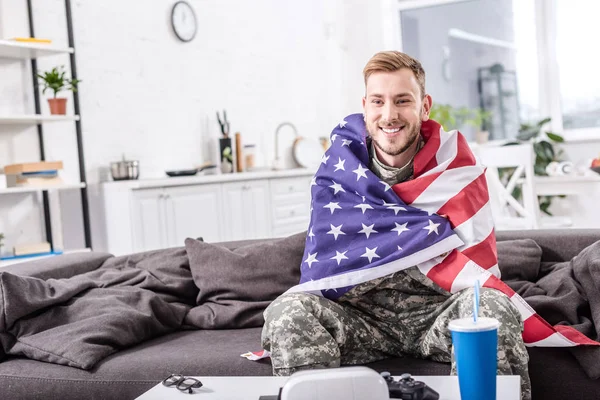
(349, 383)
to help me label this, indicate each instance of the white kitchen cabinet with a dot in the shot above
(165, 217)
(290, 205)
(134, 216)
(245, 211)
(194, 211)
(149, 225)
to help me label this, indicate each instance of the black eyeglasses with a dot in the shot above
(182, 383)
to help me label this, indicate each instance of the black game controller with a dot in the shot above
(409, 389)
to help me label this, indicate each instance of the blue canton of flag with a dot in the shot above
(358, 222)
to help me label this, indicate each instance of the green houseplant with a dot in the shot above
(456, 117)
(56, 80)
(545, 152)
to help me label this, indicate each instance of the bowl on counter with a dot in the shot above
(125, 169)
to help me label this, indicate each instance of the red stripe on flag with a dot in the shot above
(467, 202)
(536, 329)
(464, 155)
(409, 191)
(446, 272)
(497, 284)
(426, 157)
(574, 335)
(484, 252)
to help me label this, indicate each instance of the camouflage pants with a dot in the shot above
(304, 331)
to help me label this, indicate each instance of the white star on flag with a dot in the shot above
(363, 207)
(367, 230)
(396, 209)
(337, 187)
(370, 254)
(385, 185)
(399, 248)
(400, 228)
(335, 231)
(340, 165)
(343, 123)
(346, 142)
(332, 206)
(324, 159)
(311, 234)
(432, 227)
(360, 172)
(313, 182)
(333, 137)
(312, 258)
(339, 256)
(359, 195)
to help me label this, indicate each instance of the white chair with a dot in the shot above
(509, 212)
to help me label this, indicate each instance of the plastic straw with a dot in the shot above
(476, 302)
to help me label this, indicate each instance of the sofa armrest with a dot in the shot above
(61, 266)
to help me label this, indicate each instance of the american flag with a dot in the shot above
(440, 221)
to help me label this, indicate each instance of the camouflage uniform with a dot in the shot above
(402, 314)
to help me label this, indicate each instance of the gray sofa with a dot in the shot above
(555, 373)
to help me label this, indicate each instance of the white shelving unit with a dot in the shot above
(35, 119)
(6, 263)
(27, 51)
(30, 51)
(28, 189)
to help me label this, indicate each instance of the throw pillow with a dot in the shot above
(235, 286)
(519, 259)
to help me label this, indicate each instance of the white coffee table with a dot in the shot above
(252, 387)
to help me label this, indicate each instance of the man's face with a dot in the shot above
(394, 109)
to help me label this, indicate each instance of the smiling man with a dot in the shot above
(384, 271)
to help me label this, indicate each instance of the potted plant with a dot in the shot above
(454, 118)
(57, 81)
(545, 152)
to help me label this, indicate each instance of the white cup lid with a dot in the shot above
(468, 325)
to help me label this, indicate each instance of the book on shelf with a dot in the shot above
(30, 179)
(27, 256)
(31, 248)
(31, 40)
(38, 166)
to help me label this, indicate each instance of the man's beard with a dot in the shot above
(390, 149)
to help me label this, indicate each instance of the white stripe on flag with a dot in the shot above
(352, 278)
(446, 186)
(554, 340)
(477, 228)
(524, 308)
(468, 275)
(495, 270)
(446, 152)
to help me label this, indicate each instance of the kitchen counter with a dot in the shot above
(213, 178)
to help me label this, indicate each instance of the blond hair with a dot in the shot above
(391, 61)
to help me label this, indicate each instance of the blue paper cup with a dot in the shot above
(475, 351)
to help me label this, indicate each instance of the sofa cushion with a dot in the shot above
(237, 285)
(519, 259)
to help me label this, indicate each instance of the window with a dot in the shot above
(579, 77)
(523, 60)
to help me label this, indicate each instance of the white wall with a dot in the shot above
(148, 96)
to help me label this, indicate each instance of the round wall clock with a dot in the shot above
(183, 20)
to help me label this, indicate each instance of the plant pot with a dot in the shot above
(58, 106)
